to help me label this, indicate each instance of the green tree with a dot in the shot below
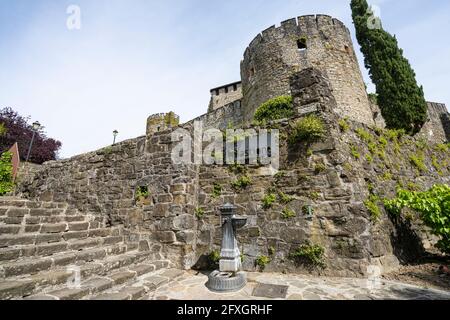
(400, 98)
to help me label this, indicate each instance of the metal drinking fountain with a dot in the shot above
(229, 276)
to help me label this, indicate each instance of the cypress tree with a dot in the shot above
(401, 100)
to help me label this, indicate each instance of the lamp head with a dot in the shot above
(36, 126)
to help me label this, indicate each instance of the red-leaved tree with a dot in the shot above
(17, 129)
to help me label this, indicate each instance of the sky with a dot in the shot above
(134, 58)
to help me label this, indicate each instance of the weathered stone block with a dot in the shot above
(161, 210)
(185, 236)
(17, 212)
(183, 222)
(53, 228)
(165, 236)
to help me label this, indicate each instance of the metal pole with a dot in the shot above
(114, 141)
(31, 145)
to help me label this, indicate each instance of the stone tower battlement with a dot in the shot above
(161, 121)
(317, 41)
(221, 96)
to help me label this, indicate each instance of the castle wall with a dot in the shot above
(225, 95)
(435, 130)
(230, 115)
(273, 56)
(104, 183)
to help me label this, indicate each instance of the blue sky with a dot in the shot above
(133, 58)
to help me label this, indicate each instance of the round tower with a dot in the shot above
(320, 42)
(162, 121)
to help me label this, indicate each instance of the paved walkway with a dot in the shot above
(262, 286)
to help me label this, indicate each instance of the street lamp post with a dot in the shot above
(115, 133)
(36, 127)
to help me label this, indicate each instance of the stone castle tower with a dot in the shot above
(161, 121)
(318, 41)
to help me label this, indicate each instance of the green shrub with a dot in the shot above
(419, 162)
(433, 207)
(262, 262)
(387, 176)
(310, 254)
(199, 213)
(373, 208)
(355, 153)
(394, 135)
(214, 258)
(269, 200)
(314, 196)
(284, 198)
(436, 165)
(288, 213)
(364, 135)
(237, 169)
(6, 173)
(271, 251)
(241, 183)
(319, 168)
(217, 190)
(369, 158)
(275, 109)
(309, 129)
(442, 147)
(422, 144)
(383, 142)
(343, 125)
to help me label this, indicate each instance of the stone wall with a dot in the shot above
(333, 178)
(104, 183)
(225, 95)
(435, 130)
(230, 115)
(274, 55)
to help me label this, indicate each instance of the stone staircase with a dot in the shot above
(51, 251)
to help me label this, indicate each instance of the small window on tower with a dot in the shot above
(301, 44)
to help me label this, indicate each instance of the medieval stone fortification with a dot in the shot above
(132, 203)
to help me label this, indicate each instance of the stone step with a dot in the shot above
(12, 254)
(32, 266)
(31, 222)
(102, 275)
(144, 284)
(15, 240)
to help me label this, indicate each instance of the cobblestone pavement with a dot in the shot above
(263, 286)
